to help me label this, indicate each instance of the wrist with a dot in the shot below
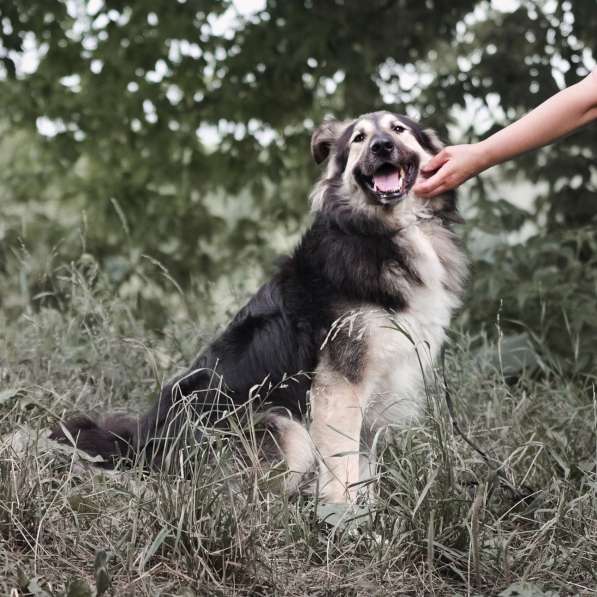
(486, 156)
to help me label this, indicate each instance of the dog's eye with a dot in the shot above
(397, 128)
(359, 138)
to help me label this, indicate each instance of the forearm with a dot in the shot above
(561, 114)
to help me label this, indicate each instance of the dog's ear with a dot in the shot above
(431, 141)
(443, 206)
(324, 137)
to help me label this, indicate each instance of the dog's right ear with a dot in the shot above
(324, 137)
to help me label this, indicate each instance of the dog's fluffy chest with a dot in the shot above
(401, 347)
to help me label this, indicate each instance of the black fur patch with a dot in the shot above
(347, 350)
(111, 441)
(343, 147)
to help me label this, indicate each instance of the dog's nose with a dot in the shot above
(382, 145)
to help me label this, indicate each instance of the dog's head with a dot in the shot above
(373, 163)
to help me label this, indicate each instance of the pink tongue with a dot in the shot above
(387, 182)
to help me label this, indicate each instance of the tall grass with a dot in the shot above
(443, 521)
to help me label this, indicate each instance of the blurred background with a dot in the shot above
(161, 148)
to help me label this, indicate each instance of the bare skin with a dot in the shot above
(558, 116)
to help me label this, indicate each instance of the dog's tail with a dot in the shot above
(114, 439)
(192, 397)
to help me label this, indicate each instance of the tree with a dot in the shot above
(189, 137)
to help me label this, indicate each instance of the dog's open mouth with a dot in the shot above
(389, 183)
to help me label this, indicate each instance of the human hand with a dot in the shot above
(450, 168)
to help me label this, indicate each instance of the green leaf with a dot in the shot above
(35, 589)
(513, 355)
(341, 515)
(525, 589)
(77, 587)
(102, 576)
(9, 394)
(157, 542)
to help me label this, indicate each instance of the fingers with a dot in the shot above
(432, 186)
(435, 162)
(450, 168)
(442, 188)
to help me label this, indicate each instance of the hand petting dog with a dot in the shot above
(560, 115)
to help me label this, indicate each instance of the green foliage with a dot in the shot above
(181, 137)
(545, 286)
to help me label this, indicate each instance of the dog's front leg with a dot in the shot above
(335, 429)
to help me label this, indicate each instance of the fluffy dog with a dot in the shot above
(343, 331)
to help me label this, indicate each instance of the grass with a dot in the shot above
(442, 522)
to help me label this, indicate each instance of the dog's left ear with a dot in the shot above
(431, 141)
(324, 137)
(443, 206)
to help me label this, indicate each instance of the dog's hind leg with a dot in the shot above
(336, 411)
(293, 443)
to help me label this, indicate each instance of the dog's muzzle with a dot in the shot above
(388, 172)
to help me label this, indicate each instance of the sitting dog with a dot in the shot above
(345, 329)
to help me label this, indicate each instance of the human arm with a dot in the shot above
(561, 114)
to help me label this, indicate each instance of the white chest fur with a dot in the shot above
(375, 375)
(401, 347)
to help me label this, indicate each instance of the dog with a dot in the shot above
(343, 332)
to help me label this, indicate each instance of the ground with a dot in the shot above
(443, 521)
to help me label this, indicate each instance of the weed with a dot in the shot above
(442, 521)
